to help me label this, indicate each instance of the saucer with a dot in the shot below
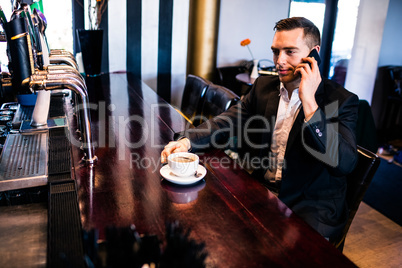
(168, 175)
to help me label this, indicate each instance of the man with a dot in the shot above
(310, 143)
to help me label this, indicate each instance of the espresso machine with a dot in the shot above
(35, 70)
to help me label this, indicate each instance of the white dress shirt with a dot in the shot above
(286, 115)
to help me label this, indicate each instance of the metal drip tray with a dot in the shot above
(23, 162)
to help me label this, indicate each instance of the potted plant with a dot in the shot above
(91, 39)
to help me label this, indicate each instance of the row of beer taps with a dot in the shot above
(34, 67)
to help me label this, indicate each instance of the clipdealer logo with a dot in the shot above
(114, 126)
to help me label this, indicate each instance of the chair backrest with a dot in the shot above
(217, 100)
(227, 78)
(366, 132)
(357, 183)
(193, 97)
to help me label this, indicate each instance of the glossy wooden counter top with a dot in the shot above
(240, 221)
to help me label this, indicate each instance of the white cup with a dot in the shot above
(183, 164)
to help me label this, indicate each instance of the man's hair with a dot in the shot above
(311, 32)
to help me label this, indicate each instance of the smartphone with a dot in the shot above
(314, 54)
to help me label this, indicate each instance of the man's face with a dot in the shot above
(289, 47)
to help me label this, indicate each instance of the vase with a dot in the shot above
(91, 42)
(254, 72)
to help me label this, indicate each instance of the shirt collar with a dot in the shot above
(283, 92)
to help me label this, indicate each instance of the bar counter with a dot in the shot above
(241, 222)
(238, 221)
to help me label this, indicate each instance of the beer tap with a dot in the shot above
(60, 59)
(29, 77)
(47, 82)
(61, 52)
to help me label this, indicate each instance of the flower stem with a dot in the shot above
(250, 52)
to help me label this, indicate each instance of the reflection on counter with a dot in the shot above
(125, 247)
(182, 194)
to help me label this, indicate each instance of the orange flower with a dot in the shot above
(245, 42)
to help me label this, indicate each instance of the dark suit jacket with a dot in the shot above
(318, 154)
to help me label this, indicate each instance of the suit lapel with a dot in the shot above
(296, 128)
(271, 109)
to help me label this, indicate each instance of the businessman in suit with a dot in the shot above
(300, 125)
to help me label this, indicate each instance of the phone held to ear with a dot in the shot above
(315, 55)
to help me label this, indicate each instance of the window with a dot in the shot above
(313, 10)
(59, 27)
(343, 38)
(59, 32)
(345, 25)
(6, 6)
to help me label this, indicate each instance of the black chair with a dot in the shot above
(366, 133)
(357, 184)
(227, 78)
(386, 103)
(193, 98)
(217, 100)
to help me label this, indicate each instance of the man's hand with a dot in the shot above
(182, 145)
(310, 80)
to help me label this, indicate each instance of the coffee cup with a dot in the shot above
(183, 164)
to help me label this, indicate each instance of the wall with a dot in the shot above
(134, 42)
(138, 42)
(391, 53)
(117, 38)
(241, 19)
(362, 68)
